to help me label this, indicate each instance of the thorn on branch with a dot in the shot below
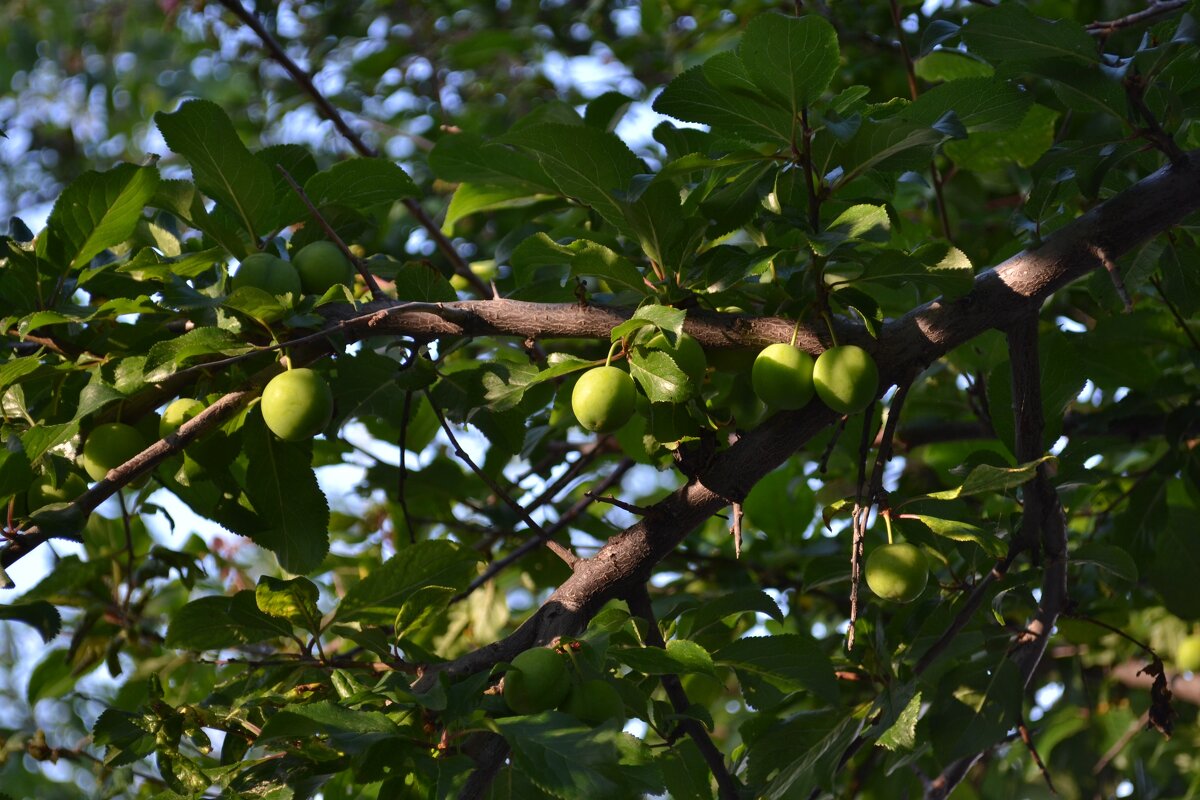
(736, 530)
(1114, 273)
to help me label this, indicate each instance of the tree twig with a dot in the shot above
(728, 787)
(566, 555)
(368, 278)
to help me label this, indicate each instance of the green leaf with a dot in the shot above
(781, 505)
(217, 622)
(902, 735)
(324, 718)
(420, 281)
(467, 158)
(283, 490)
(660, 377)
(1177, 563)
(16, 475)
(790, 59)
(961, 532)
(745, 114)
(665, 318)
(40, 615)
(961, 730)
(589, 165)
(950, 65)
(1024, 144)
(169, 355)
(98, 210)
(696, 620)
(294, 600)
(472, 198)
(123, 736)
(1011, 33)
(893, 145)
(791, 661)
(980, 104)
(432, 563)
(582, 256)
(361, 184)
(200, 131)
(572, 762)
(51, 677)
(680, 657)
(985, 478)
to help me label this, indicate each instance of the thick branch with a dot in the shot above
(1001, 295)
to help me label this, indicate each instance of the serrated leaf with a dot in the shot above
(791, 59)
(576, 763)
(283, 490)
(902, 735)
(986, 478)
(660, 377)
(980, 104)
(39, 615)
(431, 563)
(200, 131)
(692, 97)
(218, 622)
(324, 718)
(961, 532)
(1022, 145)
(741, 601)
(1110, 558)
(168, 356)
(96, 211)
(123, 737)
(360, 184)
(582, 257)
(16, 474)
(1011, 33)
(950, 65)
(472, 198)
(419, 281)
(680, 657)
(294, 600)
(791, 660)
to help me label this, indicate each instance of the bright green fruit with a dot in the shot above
(687, 354)
(1187, 656)
(603, 399)
(537, 681)
(783, 376)
(43, 493)
(594, 702)
(297, 404)
(271, 274)
(897, 572)
(323, 265)
(178, 412)
(110, 446)
(846, 378)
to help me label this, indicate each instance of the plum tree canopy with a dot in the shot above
(996, 202)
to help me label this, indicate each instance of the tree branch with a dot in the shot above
(1000, 295)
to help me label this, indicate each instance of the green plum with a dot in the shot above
(782, 376)
(846, 378)
(322, 265)
(297, 404)
(538, 681)
(897, 572)
(603, 399)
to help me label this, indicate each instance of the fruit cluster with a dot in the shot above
(540, 679)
